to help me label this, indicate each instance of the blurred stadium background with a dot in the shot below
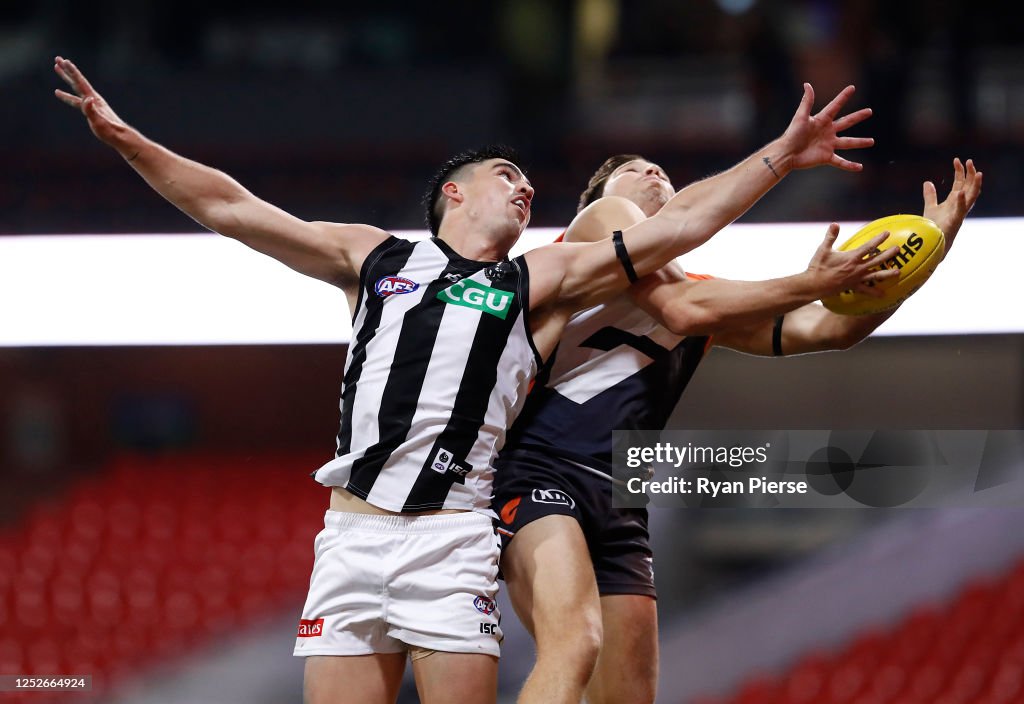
(156, 517)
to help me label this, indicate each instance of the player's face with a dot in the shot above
(497, 192)
(642, 182)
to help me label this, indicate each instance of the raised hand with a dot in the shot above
(949, 215)
(857, 270)
(813, 140)
(103, 121)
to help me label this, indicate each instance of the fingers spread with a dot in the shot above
(854, 142)
(844, 164)
(958, 176)
(75, 78)
(847, 121)
(931, 197)
(806, 102)
(882, 257)
(67, 98)
(872, 244)
(832, 109)
(882, 275)
(63, 74)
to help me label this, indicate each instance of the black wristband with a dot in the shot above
(777, 336)
(623, 255)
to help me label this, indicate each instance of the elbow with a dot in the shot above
(220, 214)
(842, 339)
(694, 320)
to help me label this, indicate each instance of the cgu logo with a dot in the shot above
(392, 285)
(477, 296)
(311, 628)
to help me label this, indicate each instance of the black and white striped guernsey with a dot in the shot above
(438, 368)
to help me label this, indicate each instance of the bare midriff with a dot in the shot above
(347, 502)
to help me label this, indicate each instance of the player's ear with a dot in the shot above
(452, 190)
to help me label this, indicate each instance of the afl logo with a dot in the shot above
(391, 285)
(484, 605)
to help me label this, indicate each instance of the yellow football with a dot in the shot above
(922, 246)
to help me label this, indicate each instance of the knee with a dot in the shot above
(572, 645)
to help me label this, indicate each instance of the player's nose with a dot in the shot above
(526, 189)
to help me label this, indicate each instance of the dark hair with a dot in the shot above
(449, 170)
(595, 187)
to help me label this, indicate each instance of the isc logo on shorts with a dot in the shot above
(552, 496)
(311, 628)
(393, 285)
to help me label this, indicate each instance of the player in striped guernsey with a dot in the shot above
(448, 334)
(579, 570)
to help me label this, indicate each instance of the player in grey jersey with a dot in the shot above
(394, 574)
(578, 570)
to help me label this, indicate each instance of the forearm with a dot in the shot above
(712, 305)
(331, 253)
(816, 329)
(809, 328)
(203, 193)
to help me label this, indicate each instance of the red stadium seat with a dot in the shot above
(152, 557)
(968, 651)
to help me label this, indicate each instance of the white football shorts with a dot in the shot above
(381, 584)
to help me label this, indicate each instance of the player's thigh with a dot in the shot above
(353, 679)
(627, 668)
(456, 678)
(550, 579)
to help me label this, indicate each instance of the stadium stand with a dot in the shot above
(152, 557)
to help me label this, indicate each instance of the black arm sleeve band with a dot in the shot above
(623, 255)
(777, 336)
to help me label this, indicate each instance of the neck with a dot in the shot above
(478, 246)
(649, 206)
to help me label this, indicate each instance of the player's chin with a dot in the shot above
(660, 190)
(517, 224)
(653, 200)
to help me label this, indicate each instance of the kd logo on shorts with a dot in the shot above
(485, 605)
(552, 496)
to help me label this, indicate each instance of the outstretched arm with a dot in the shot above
(703, 307)
(592, 272)
(327, 251)
(813, 328)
